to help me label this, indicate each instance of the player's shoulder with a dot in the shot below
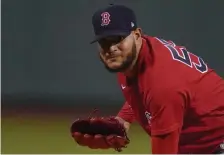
(152, 39)
(177, 57)
(157, 41)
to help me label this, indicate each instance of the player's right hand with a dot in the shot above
(124, 123)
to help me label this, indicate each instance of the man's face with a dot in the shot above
(117, 52)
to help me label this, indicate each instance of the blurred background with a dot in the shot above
(51, 75)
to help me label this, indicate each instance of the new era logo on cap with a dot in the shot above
(132, 24)
(113, 20)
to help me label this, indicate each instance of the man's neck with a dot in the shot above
(131, 72)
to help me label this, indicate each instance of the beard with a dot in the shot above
(125, 64)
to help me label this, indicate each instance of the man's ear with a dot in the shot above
(138, 33)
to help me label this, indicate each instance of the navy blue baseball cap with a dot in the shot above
(114, 20)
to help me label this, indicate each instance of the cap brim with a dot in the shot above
(113, 33)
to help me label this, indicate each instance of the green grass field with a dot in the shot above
(47, 134)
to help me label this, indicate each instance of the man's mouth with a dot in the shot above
(111, 57)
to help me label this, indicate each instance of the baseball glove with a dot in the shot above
(100, 133)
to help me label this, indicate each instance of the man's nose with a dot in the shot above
(112, 48)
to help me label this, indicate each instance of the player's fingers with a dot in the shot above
(100, 142)
(76, 136)
(79, 138)
(117, 141)
(88, 140)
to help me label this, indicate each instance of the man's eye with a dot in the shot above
(120, 38)
(111, 41)
(104, 44)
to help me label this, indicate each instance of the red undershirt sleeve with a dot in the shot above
(126, 113)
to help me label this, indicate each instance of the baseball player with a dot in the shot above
(172, 93)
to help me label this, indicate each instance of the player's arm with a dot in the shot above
(167, 108)
(126, 115)
(165, 144)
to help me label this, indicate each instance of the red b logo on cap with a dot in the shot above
(105, 18)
